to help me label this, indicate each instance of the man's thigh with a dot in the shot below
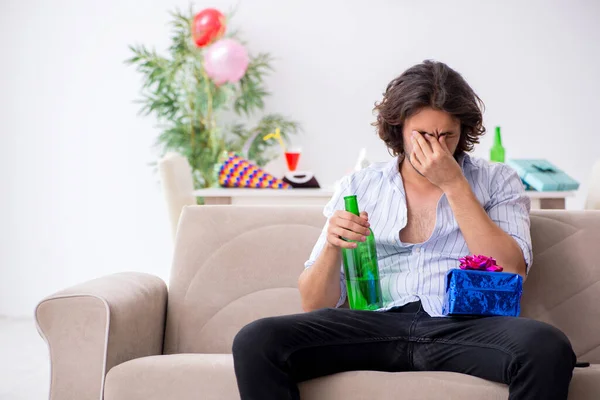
(491, 347)
(328, 341)
(337, 340)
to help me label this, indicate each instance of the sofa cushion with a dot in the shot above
(211, 377)
(563, 286)
(177, 376)
(233, 265)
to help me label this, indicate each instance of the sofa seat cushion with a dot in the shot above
(211, 377)
(177, 376)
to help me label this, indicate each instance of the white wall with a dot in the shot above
(78, 198)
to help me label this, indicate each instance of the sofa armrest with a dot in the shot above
(93, 326)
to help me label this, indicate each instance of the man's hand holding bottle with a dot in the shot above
(345, 225)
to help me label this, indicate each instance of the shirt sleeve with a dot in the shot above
(509, 208)
(335, 203)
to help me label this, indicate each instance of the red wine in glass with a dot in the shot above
(292, 156)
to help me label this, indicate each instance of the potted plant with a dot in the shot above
(200, 115)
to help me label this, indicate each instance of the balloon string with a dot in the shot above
(276, 135)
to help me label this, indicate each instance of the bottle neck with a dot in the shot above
(351, 204)
(498, 137)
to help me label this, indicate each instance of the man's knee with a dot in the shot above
(259, 337)
(545, 345)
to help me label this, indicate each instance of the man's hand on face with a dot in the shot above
(432, 159)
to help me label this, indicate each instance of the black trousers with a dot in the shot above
(272, 355)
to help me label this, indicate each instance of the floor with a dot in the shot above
(24, 366)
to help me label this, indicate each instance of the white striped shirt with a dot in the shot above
(412, 272)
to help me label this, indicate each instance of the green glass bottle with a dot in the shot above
(362, 269)
(497, 151)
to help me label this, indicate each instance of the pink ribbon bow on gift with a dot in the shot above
(479, 263)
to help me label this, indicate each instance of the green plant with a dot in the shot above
(190, 108)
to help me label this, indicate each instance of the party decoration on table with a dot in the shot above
(204, 72)
(542, 175)
(296, 179)
(207, 27)
(478, 288)
(526, 185)
(225, 61)
(481, 263)
(237, 172)
(301, 180)
(275, 135)
(292, 155)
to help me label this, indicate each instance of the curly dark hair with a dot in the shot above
(429, 84)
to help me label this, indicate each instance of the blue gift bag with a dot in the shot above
(471, 292)
(542, 175)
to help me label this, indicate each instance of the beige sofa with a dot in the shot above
(118, 338)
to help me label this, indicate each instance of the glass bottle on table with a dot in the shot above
(497, 151)
(361, 269)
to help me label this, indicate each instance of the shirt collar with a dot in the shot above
(462, 159)
(393, 173)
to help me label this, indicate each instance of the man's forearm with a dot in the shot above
(482, 235)
(319, 285)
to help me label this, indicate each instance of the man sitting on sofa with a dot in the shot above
(428, 207)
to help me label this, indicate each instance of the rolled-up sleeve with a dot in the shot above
(335, 203)
(509, 208)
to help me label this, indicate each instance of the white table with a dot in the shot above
(539, 200)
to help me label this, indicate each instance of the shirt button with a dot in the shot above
(417, 250)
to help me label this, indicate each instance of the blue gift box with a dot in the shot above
(542, 175)
(471, 292)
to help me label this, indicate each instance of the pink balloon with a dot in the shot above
(225, 61)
